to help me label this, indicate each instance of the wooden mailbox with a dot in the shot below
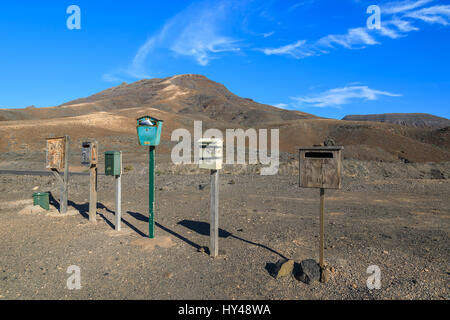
(56, 153)
(320, 167)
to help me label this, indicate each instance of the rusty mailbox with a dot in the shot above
(56, 153)
(320, 167)
(89, 153)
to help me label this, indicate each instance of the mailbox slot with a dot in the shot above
(319, 155)
(320, 167)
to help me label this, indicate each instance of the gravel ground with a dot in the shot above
(399, 224)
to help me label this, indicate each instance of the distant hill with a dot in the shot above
(417, 120)
(110, 117)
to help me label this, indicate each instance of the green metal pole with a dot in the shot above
(151, 193)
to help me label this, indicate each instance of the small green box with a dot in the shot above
(113, 163)
(41, 199)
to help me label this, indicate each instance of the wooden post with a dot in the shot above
(118, 202)
(93, 194)
(214, 214)
(322, 200)
(65, 186)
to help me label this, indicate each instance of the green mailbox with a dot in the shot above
(113, 163)
(41, 199)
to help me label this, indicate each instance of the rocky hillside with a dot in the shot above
(110, 117)
(417, 120)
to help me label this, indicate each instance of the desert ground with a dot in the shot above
(392, 215)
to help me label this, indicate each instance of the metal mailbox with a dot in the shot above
(210, 153)
(113, 163)
(56, 153)
(320, 167)
(149, 130)
(89, 153)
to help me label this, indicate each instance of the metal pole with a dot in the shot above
(93, 194)
(118, 202)
(322, 200)
(151, 193)
(65, 187)
(214, 214)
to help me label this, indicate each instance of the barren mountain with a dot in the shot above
(109, 116)
(419, 120)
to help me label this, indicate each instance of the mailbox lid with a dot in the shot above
(319, 148)
(113, 165)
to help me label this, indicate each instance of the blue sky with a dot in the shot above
(316, 56)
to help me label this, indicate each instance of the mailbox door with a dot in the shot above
(317, 171)
(113, 163)
(85, 156)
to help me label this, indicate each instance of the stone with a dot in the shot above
(231, 182)
(283, 268)
(308, 271)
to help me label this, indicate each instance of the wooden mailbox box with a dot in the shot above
(320, 167)
(56, 153)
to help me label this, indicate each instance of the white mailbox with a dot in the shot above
(210, 153)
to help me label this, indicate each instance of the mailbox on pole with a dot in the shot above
(149, 133)
(321, 167)
(211, 158)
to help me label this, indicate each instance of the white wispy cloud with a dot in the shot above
(296, 50)
(340, 96)
(354, 38)
(435, 14)
(398, 19)
(403, 6)
(195, 32)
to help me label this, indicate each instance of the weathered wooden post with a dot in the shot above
(57, 159)
(65, 198)
(89, 152)
(211, 158)
(320, 167)
(149, 134)
(322, 240)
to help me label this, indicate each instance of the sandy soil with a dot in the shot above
(399, 224)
